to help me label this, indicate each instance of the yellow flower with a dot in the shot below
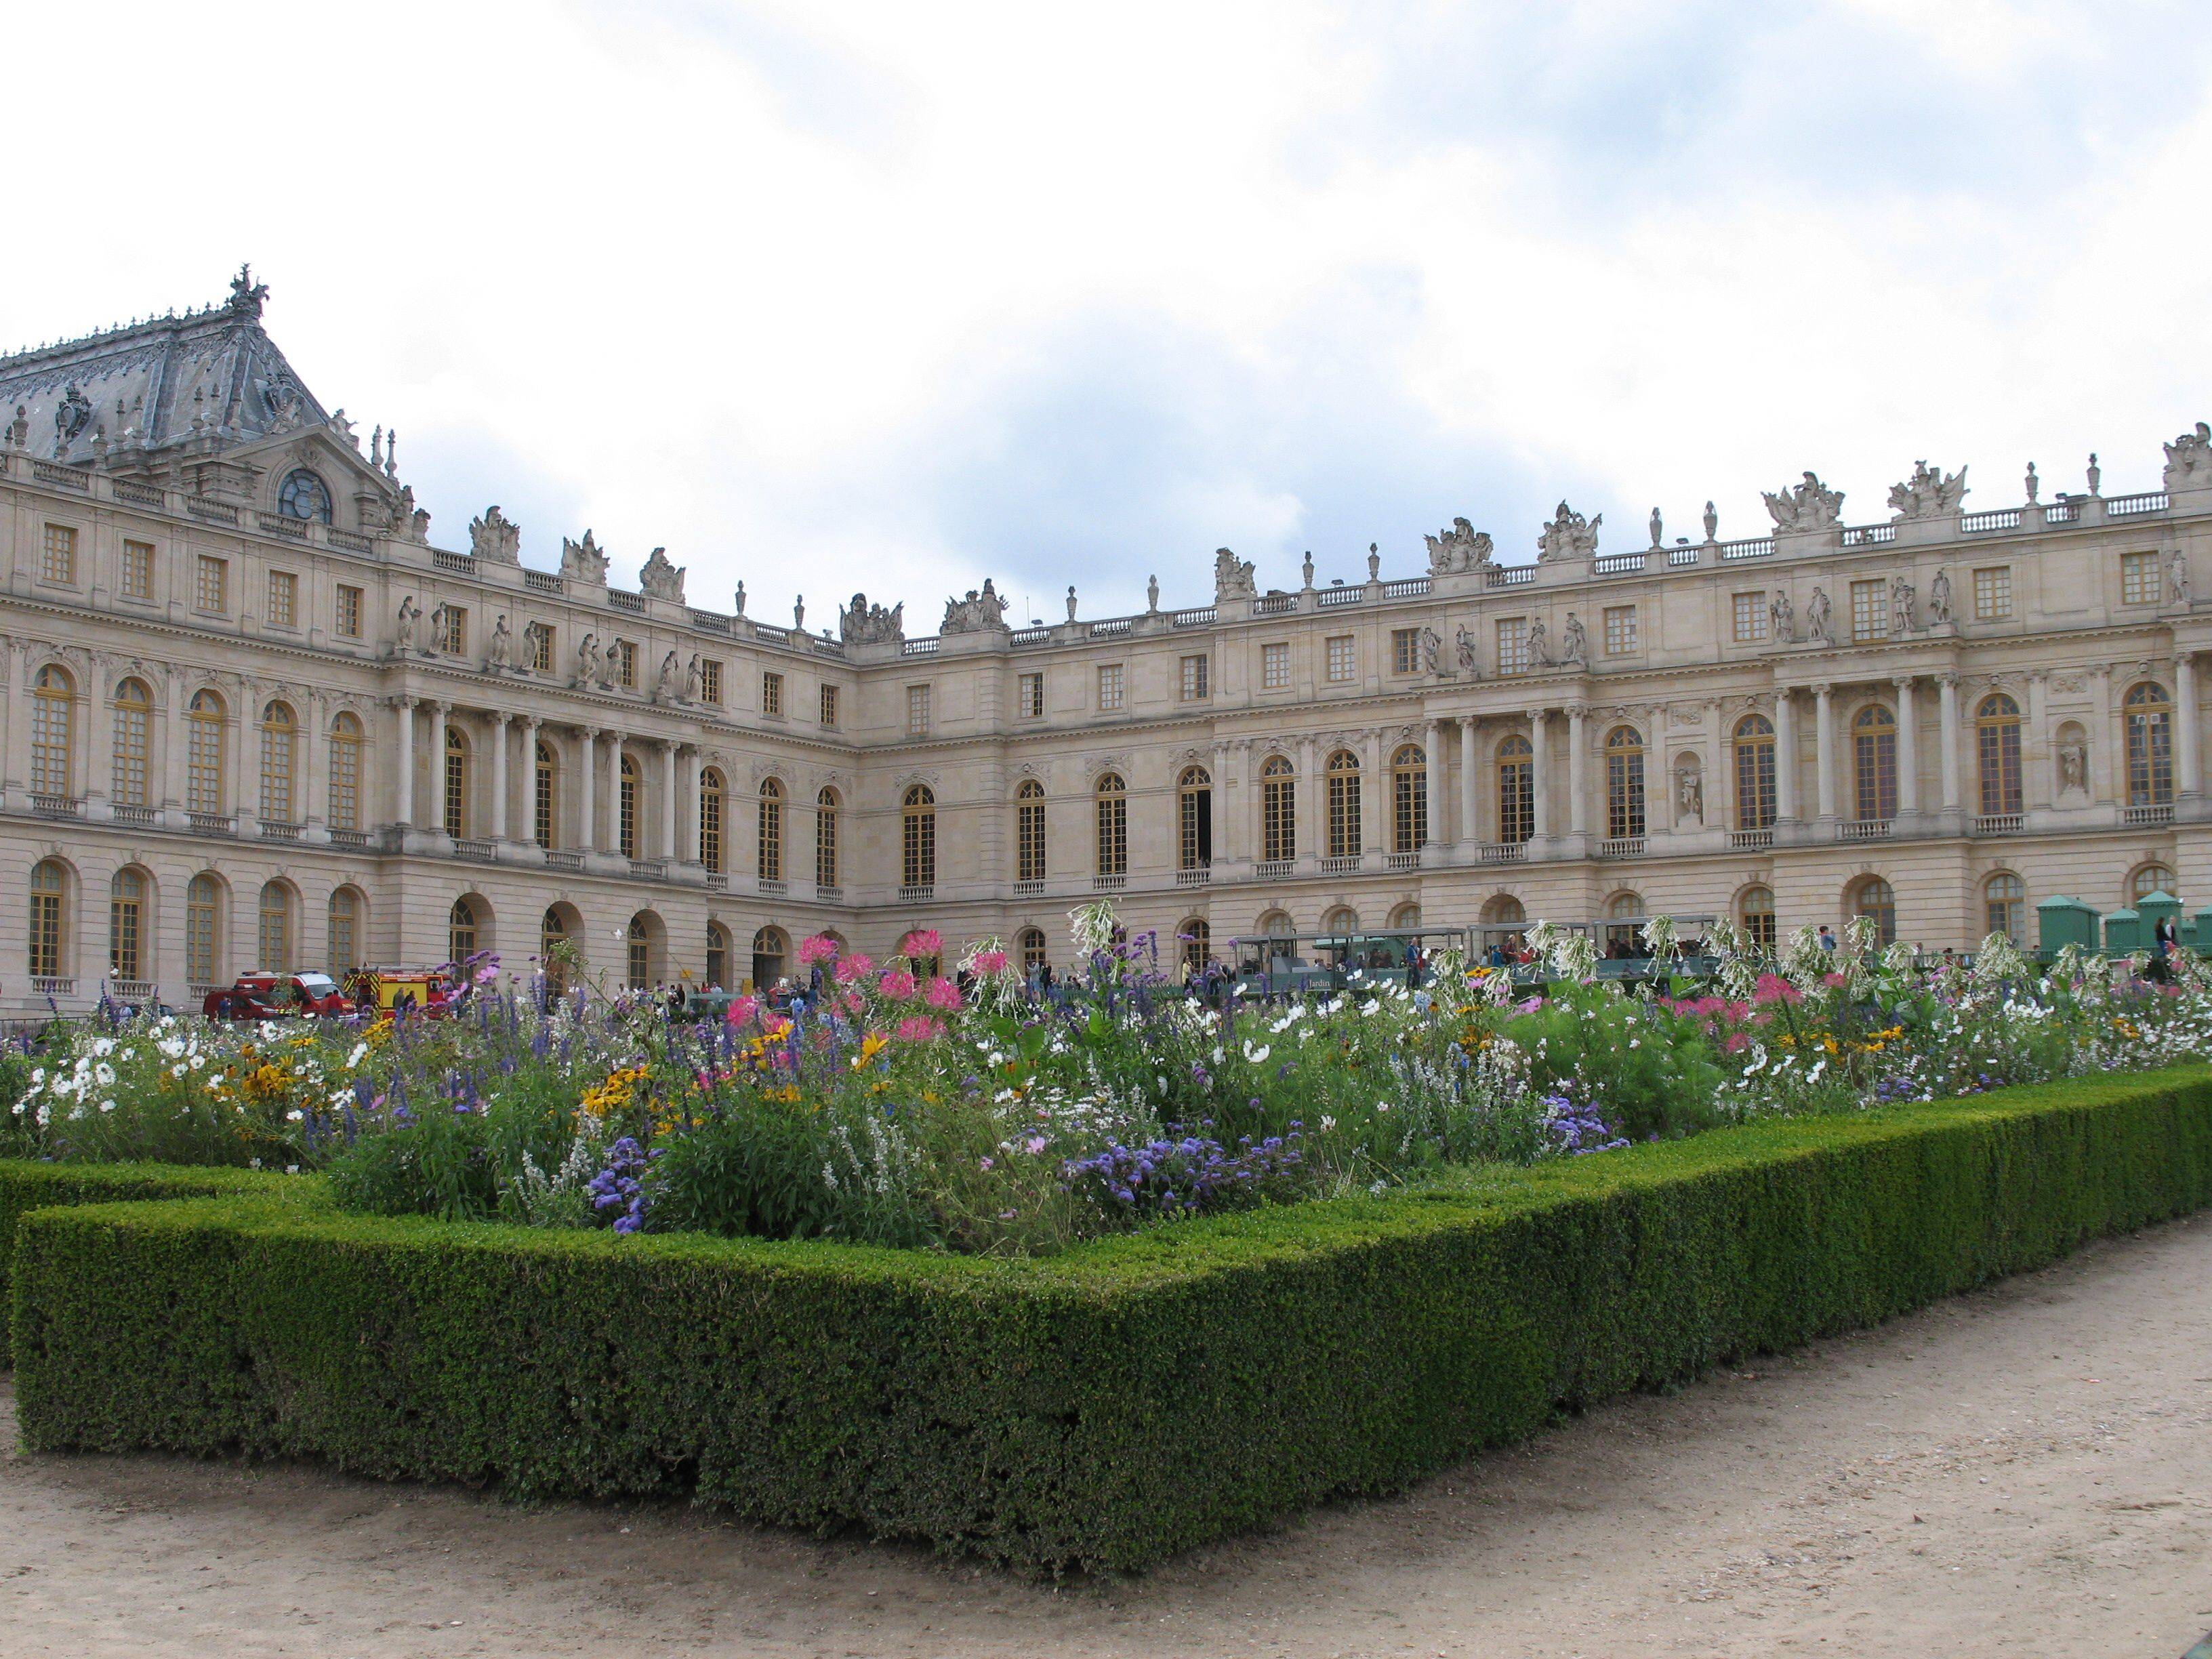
(871, 1045)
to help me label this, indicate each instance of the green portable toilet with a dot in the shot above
(2123, 933)
(2062, 922)
(2152, 908)
(2201, 939)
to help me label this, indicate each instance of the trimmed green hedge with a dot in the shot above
(1105, 1409)
(26, 1186)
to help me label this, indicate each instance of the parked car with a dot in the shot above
(263, 995)
(432, 992)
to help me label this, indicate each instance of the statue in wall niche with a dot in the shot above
(1461, 547)
(665, 685)
(661, 580)
(1690, 794)
(409, 611)
(1809, 505)
(1432, 646)
(1939, 598)
(587, 659)
(692, 678)
(1466, 642)
(1901, 605)
(1574, 643)
(1569, 536)
(585, 561)
(1783, 617)
(1152, 596)
(2072, 767)
(1658, 529)
(1929, 493)
(503, 644)
(1713, 521)
(2177, 577)
(1232, 576)
(1816, 618)
(1540, 647)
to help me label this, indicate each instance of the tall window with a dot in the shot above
(343, 946)
(126, 923)
(57, 555)
(1194, 677)
(1869, 611)
(1623, 924)
(1516, 789)
(1197, 939)
(1113, 806)
(825, 838)
(2004, 905)
(544, 795)
(771, 830)
(284, 599)
(274, 941)
(1996, 746)
(552, 933)
(1624, 782)
(203, 718)
(712, 797)
(718, 955)
(1872, 897)
(455, 640)
(1278, 810)
(1874, 763)
(203, 928)
(280, 741)
(626, 812)
(1754, 773)
(625, 663)
(1756, 907)
(345, 772)
(211, 584)
(918, 837)
(1405, 650)
(1195, 819)
(2150, 714)
(1275, 668)
(460, 930)
(1409, 798)
(49, 891)
(1031, 941)
(1343, 659)
(2139, 579)
(825, 702)
(772, 694)
(53, 707)
(455, 794)
(1029, 832)
(137, 570)
(640, 952)
(1342, 783)
(134, 718)
(541, 647)
(348, 616)
(1112, 684)
(1029, 697)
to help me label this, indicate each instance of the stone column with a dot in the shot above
(1947, 735)
(1908, 750)
(1824, 751)
(404, 808)
(1785, 756)
(172, 750)
(499, 734)
(1434, 831)
(2105, 741)
(1373, 795)
(668, 799)
(2188, 759)
(1577, 786)
(19, 727)
(1469, 830)
(2036, 787)
(587, 827)
(1659, 790)
(1539, 782)
(434, 740)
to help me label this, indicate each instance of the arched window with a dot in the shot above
(280, 741)
(1113, 807)
(718, 956)
(304, 495)
(1340, 922)
(1754, 773)
(345, 772)
(1029, 832)
(1754, 909)
(274, 940)
(1624, 925)
(1409, 798)
(126, 924)
(344, 943)
(769, 949)
(1341, 781)
(1516, 789)
(918, 837)
(626, 815)
(53, 708)
(1996, 746)
(640, 952)
(202, 929)
(203, 721)
(461, 931)
(2149, 878)
(1279, 931)
(552, 934)
(1624, 782)
(545, 795)
(1197, 941)
(1195, 819)
(134, 720)
(1503, 910)
(825, 838)
(1406, 916)
(1874, 763)
(771, 830)
(49, 920)
(2004, 905)
(1278, 810)
(711, 794)
(455, 793)
(2149, 713)
(1871, 897)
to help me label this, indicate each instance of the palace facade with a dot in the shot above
(254, 717)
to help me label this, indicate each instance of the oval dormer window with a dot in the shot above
(304, 495)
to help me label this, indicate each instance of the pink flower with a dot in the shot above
(917, 1028)
(742, 1009)
(1529, 1006)
(1773, 987)
(922, 942)
(1036, 1144)
(943, 995)
(897, 985)
(990, 961)
(820, 948)
(854, 967)
(855, 1004)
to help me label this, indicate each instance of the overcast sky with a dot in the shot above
(830, 296)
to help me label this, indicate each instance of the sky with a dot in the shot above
(826, 297)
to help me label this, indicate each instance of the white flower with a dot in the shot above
(107, 1105)
(104, 1074)
(1382, 1105)
(104, 1046)
(1370, 1006)
(1256, 1055)
(1327, 1123)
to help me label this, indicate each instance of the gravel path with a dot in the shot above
(2026, 1470)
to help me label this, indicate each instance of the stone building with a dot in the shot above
(252, 716)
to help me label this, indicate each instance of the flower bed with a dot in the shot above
(1105, 1406)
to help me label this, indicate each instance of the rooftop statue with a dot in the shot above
(245, 293)
(1569, 536)
(862, 624)
(2189, 458)
(495, 537)
(1463, 547)
(660, 578)
(1808, 506)
(1232, 577)
(1929, 493)
(977, 611)
(585, 561)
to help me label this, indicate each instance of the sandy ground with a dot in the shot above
(2024, 1471)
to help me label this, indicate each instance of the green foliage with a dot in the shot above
(1108, 1407)
(1653, 1068)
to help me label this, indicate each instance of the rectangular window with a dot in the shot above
(828, 701)
(1869, 611)
(625, 655)
(137, 570)
(541, 647)
(772, 693)
(1619, 630)
(1109, 687)
(456, 641)
(349, 613)
(1029, 697)
(1275, 668)
(284, 599)
(1751, 614)
(1993, 593)
(917, 712)
(2138, 577)
(710, 682)
(211, 584)
(1343, 663)
(1512, 645)
(1196, 671)
(57, 555)
(1405, 650)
